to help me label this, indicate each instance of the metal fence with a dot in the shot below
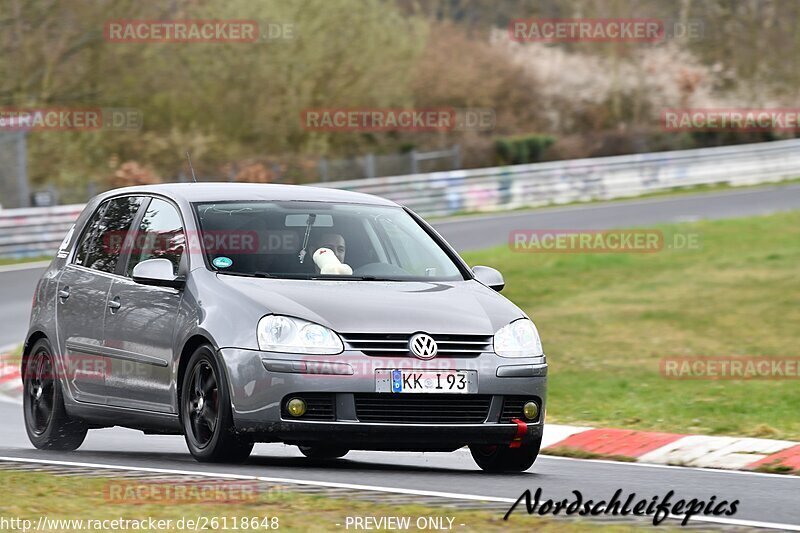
(503, 188)
(371, 165)
(36, 231)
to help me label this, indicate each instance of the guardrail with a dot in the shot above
(512, 187)
(35, 231)
(39, 231)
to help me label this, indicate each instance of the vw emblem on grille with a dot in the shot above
(423, 346)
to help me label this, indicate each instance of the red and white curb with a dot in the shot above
(10, 378)
(730, 453)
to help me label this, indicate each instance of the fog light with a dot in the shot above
(296, 407)
(530, 410)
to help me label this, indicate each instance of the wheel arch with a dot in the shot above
(33, 337)
(189, 347)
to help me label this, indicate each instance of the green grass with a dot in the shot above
(12, 357)
(606, 321)
(576, 453)
(21, 260)
(31, 495)
(776, 467)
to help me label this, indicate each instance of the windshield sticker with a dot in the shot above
(222, 262)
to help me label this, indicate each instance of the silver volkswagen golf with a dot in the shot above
(239, 313)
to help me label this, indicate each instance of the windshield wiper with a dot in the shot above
(325, 277)
(247, 274)
(352, 278)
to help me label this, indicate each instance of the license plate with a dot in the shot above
(426, 381)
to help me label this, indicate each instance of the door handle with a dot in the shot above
(114, 304)
(63, 294)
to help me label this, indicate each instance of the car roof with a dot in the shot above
(224, 191)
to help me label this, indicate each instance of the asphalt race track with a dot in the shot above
(765, 500)
(764, 497)
(491, 230)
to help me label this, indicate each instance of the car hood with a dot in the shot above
(460, 307)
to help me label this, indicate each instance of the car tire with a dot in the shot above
(323, 452)
(501, 458)
(206, 413)
(47, 423)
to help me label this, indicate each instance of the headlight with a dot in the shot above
(278, 333)
(518, 339)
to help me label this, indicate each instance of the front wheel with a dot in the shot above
(47, 423)
(206, 412)
(501, 458)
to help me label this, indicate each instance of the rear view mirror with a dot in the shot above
(156, 272)
(301, 220)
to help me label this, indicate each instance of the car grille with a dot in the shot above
(512, 408)
(422, 408)
(396, 344)
(319, 406)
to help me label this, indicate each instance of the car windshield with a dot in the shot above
(320, 240)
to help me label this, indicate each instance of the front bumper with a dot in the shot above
(260, 381)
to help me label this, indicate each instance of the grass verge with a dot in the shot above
(607, 321)
(14, 355)
(776, 468)
(33, 495)
(575, 453)
(5, 261)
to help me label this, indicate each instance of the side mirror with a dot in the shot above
(490, 277)
(157, 272)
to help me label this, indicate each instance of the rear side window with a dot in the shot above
(101, 243)
(92, 227)
(160, 236)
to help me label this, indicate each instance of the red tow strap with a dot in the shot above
(522, 430)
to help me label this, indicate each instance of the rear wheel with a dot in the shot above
(206, 412)
(501, 458)
(323, 452)
(47, 423)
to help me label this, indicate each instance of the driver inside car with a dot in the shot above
(328, 255)
(334, 242)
